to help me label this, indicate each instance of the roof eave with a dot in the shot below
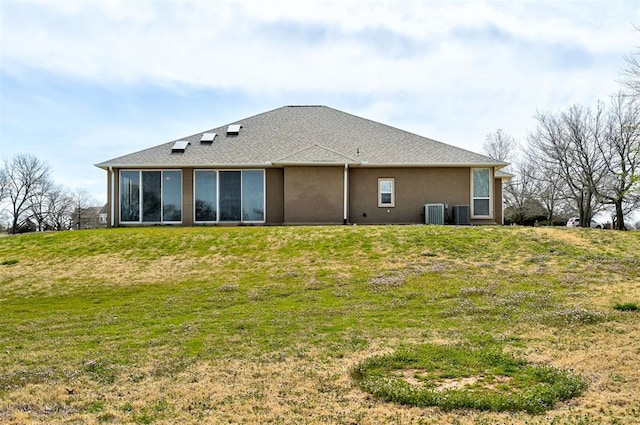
(433, 165)
(179, 166)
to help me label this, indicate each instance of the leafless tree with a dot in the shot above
(4, 185)
(25, 174)
(82, 201)
(620, 151)
(631, 73)
(549, 187)
(519, 192)
(61, 206)
(500, 146)
(567, 142)
(39, 206)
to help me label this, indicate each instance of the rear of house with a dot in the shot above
(303, 165)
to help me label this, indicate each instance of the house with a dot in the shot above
(302, 165)
(89, 218)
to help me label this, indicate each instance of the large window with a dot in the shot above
(481, 197)
(232, 196)
(386, 192)
(172, 196)
(206, 196)
(253, 195)
(129, 196)
(150, 196)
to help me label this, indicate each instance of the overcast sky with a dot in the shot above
(82, 82)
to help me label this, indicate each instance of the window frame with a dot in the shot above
(391, 204)
(488, 198)
(217, 200)
(141, 197)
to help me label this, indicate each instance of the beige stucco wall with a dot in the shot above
(187, 196)
(313, 195)
(414, 187)
(274, 195)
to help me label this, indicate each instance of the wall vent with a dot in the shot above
(434, 214)
(207, 137)
(461, 215)
(180, 146)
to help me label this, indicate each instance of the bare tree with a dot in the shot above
(631, 73)
(61, 206)
(519, 191)
(500, 146)
(25, 175)
(567, 142)
(83, 201)
(4, 186)
(549, 187)
(620, 150)
(39, 205)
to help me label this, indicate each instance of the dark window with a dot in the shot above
(230, 196)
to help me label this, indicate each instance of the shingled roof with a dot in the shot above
(305, 135)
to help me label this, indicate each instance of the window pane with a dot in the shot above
(129, 196)
(172, 196)
(480, 207)
(151, 183)
(230, 195)
(386, 186)
(206, 196)
(253, 195)
(481, 183)
(385, 198)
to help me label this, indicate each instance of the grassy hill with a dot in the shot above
(264, 324)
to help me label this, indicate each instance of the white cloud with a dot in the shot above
(220, 44)
(452, 70)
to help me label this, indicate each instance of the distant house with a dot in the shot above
(89, 218)
(303, 165)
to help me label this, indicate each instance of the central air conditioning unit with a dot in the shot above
(434, 214)
(461, 215)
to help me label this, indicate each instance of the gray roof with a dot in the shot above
(305, 135)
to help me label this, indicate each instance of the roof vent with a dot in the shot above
(207, 137)
(233, 129)
(180, 146)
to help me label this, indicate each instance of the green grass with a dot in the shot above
(626, 307)
(120, 308)
(482, 378)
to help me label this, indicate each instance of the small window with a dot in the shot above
(386, 193)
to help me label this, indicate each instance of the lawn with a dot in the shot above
(267, 324)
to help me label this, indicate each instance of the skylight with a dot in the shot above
(234, 129)
(180, 146)
(207, 137)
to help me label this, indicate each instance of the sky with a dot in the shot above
(82, 82)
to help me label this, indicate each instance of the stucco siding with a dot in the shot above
(414, 187)
(313, 195)
(274, 195)
(497, 201)
(187, 196)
